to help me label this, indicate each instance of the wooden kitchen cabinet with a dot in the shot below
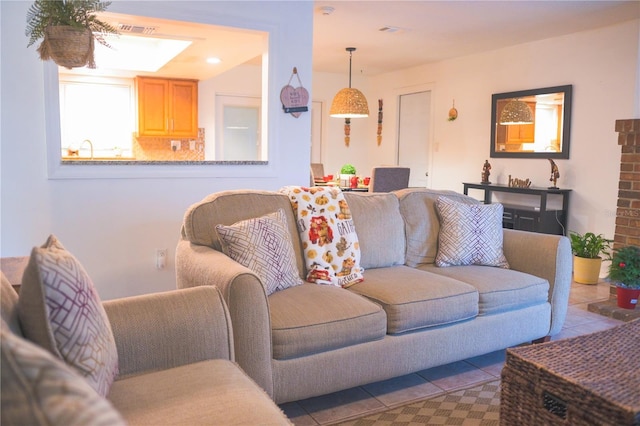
(167, 107)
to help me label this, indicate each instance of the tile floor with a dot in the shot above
(380, 396)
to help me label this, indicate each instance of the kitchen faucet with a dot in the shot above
(90, 146)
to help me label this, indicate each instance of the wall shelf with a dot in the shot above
(528, 218)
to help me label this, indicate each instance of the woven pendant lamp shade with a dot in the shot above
(349, 103)
(516, 112)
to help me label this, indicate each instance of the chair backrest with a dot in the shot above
(317, 172)
(386, 179)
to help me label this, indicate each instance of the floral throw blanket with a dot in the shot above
(329, 239)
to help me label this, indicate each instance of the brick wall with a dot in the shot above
(628, 210)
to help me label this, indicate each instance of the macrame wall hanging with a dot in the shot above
(294, 99)
(347, 131)
(379, 121)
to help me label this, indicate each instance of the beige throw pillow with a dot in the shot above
(263, 245)
(59, 309)
(38, 389)
(470, 234)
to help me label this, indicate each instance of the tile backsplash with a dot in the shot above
(159, 148)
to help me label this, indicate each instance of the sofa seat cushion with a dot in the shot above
(415, 299)
(500, 289)
(207, 392)
(313, 318)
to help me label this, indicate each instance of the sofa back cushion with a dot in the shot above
(377, 219)
(418, 210)
(229, 207)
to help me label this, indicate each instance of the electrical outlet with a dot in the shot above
(161, 258)
(175, 145)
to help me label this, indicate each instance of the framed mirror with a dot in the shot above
(532, 123)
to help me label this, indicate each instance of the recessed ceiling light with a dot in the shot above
(213, 60)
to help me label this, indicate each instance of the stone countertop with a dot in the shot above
(116, 162)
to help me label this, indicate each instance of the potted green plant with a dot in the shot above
(67, 29)
(624, 271)
(588, 250)
(346, 173)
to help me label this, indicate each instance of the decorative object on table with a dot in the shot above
(453, 112)
(379, 121)
(624, 271)
(588, 251)
(519, 183)
(294, 99)
(486, 171)
(555, 174)
(349, 102)
(68, 29)
(346, 173)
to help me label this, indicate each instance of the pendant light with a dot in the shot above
(348, 102)
(516, 112)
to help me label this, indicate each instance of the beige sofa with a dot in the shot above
(175, 358)
(407, 314)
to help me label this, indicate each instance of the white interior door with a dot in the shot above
(414, 130)
(238, 132)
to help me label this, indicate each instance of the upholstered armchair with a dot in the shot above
(162, 358)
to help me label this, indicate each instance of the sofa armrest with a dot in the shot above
(246, 299)
(164, 330)
(546, 256)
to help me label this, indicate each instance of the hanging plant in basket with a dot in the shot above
(68, 29)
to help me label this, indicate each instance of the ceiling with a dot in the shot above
(425, 32)
(431, 31)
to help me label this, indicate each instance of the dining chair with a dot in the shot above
(389, 178)
(317, 173)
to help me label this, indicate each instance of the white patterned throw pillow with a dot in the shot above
(40, 389)
(328, 235)
(59, 309)
(263, 245)
(470, 234)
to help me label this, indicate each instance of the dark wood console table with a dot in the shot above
(528, 218)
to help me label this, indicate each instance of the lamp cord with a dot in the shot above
(350, 56)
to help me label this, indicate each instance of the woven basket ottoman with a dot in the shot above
(585, 380)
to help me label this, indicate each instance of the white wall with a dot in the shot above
(602, 66)
(113, 226)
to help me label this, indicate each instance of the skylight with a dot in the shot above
(137, 53)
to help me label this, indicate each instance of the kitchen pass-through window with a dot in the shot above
(98, 110)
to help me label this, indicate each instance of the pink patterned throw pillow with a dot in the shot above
(263, 245)
(470, 234)
(59, 309)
